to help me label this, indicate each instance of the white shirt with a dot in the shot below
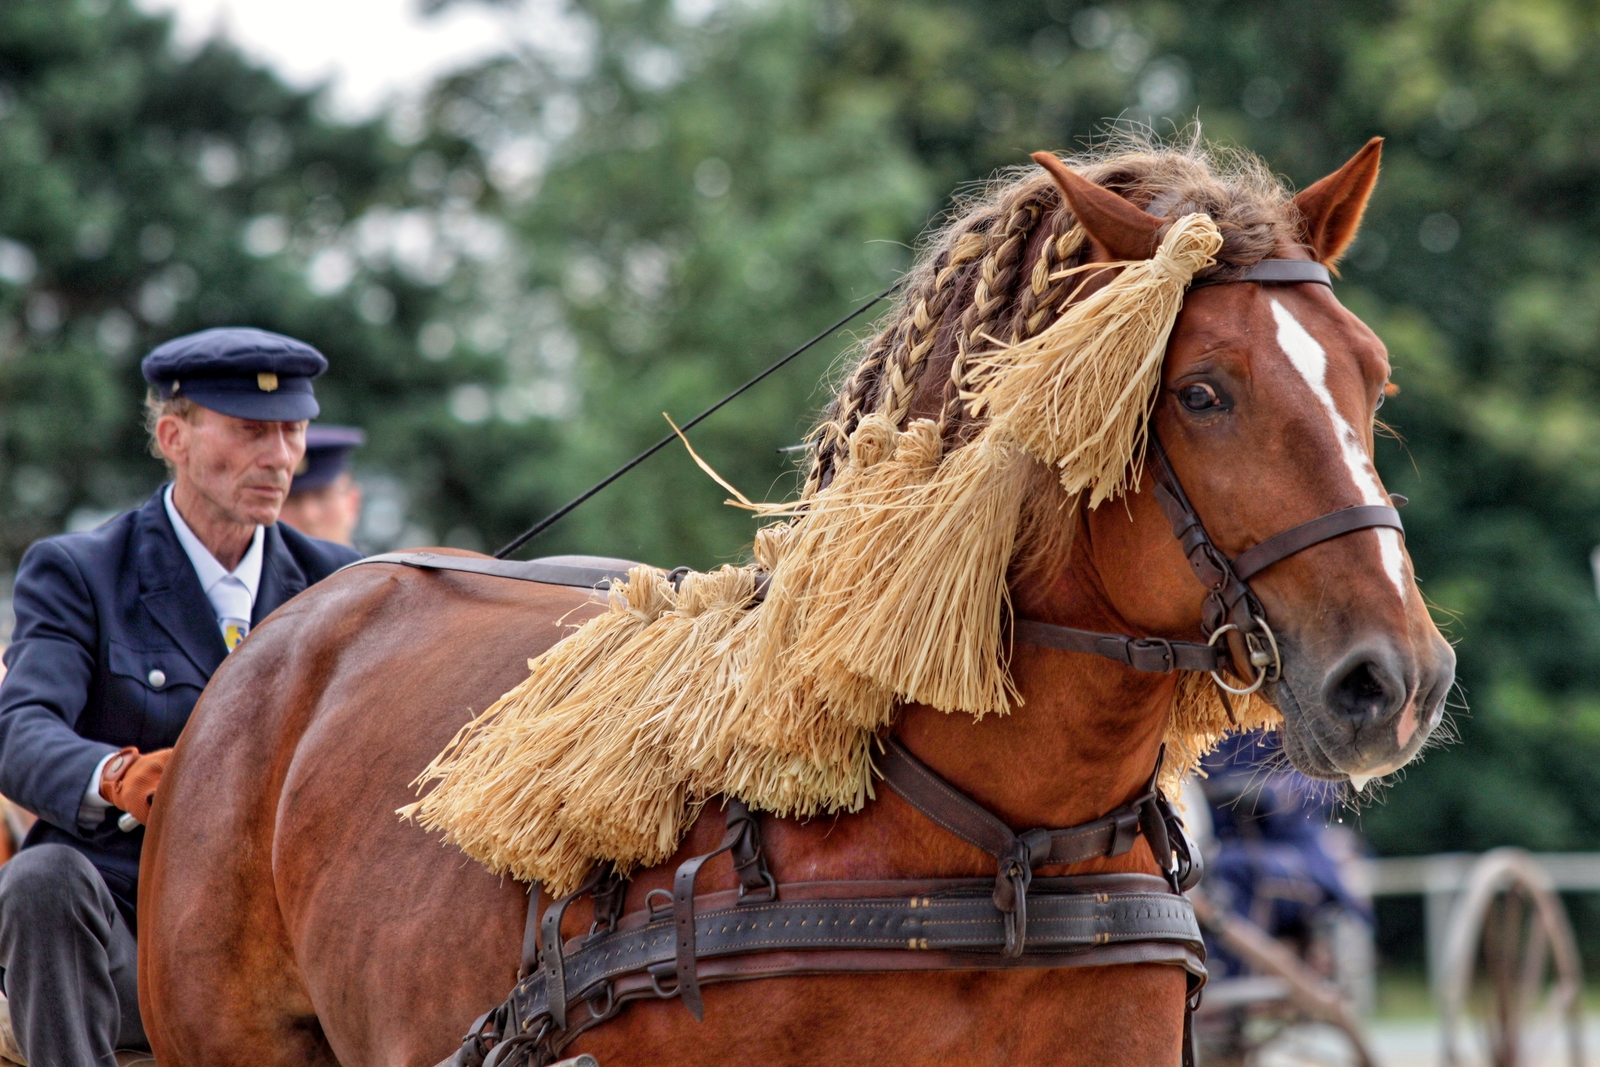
(233, 599)
(232, 593)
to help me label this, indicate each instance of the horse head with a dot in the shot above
(1266, 410)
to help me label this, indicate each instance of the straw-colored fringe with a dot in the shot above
(625, 793)
(931, 633)
(888, 584)
(1078, 395)
(781, 703)
(480, 797)
(1199, 720)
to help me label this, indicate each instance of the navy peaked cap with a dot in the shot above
(239, 371)
(327, 455)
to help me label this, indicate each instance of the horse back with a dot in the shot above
(275, 837)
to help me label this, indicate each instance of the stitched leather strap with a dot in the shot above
(1278, 547)
(1274, 272)
(861, 927)
(742, 839)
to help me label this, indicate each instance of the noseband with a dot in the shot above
(1230, 605)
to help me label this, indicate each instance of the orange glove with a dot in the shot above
(130, 779)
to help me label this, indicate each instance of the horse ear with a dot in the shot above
(1121, 229)
(1332, 207)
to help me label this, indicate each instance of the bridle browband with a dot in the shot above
(564, 988)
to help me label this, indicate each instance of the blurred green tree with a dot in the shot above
(145, 194)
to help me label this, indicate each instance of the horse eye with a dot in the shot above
(1199, 397)
(1379, 404)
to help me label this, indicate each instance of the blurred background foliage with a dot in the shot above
(516, 277)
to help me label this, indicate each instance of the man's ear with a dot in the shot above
(1332, 207)
(1122, 230)
(172, 435)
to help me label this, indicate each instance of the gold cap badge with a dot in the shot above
(267, 382)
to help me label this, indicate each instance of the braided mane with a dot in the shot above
(966, 292)
(992, 396)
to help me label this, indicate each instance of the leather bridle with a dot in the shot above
(1230, 605)
(767, 929)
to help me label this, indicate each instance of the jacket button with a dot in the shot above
(157, 678)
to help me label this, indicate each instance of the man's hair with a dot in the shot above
(154, 409)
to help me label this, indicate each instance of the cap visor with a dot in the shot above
(261, 407)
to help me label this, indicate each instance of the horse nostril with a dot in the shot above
(1362, 693)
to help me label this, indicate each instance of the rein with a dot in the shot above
(1013, 920)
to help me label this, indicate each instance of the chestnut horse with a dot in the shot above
(288, 916)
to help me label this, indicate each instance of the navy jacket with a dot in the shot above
(97, 613)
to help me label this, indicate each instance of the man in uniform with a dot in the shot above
(118, 630)
(324, 500)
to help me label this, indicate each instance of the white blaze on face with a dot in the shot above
(1311, 361)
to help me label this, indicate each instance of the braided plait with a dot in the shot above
(894, 360)
(997, 277)
(846, 411)
(921, 328)
(1041, 300)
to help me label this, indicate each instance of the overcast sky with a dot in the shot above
(371, 49)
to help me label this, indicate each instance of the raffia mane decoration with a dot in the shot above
(888, 584)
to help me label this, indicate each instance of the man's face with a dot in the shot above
(240, 467)
(331, 512)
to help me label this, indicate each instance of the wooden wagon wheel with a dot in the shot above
(1311, 996)
(1509, 928)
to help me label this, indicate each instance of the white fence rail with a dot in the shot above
(1440, 879)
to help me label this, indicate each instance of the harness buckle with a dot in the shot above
(1011, 884)
(1169, 658)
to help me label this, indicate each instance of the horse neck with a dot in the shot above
(1085, 735)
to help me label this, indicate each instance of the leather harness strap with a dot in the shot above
(743, 840)
(1154, 654)
(533, 570)
(853, 926)
(1112, 834)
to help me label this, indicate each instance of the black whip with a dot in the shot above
(560, 513)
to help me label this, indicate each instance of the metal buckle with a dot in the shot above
(664, 911)
(606, 1012)
(1169, 658)
(658, 971)
(772, 889)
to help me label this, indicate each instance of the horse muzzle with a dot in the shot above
(1366, 713)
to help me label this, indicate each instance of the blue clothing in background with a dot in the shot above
(1272, 864)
